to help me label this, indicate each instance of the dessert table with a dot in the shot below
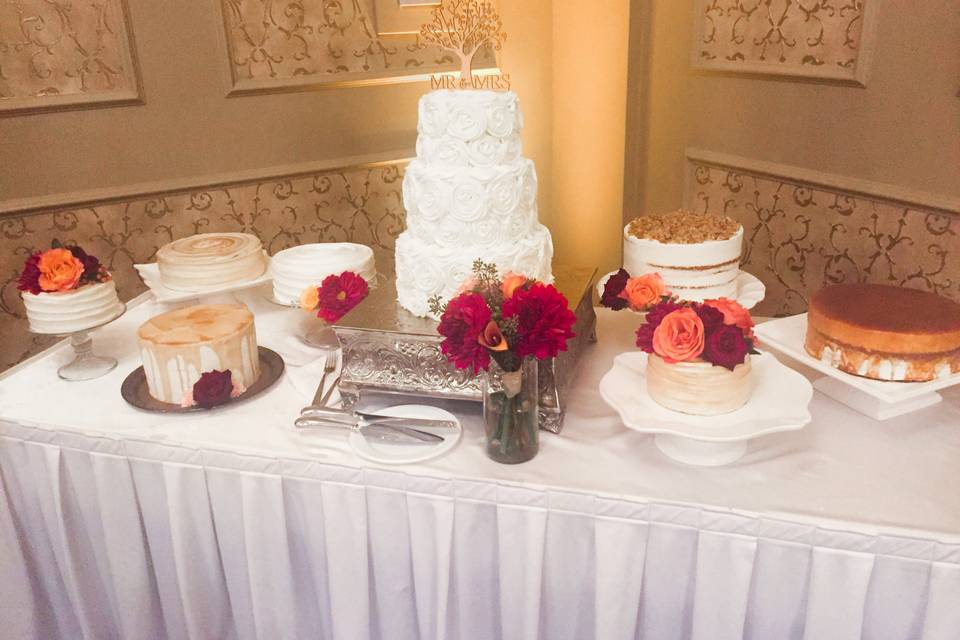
(116, 523)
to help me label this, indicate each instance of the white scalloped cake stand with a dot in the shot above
(779, 402)
(877, 399)
(750, 290)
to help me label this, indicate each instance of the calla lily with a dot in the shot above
(492, 338)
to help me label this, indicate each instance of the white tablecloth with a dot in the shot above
(120, 524)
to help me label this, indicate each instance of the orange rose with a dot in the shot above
(511, 283)
(733, 314)
(309, 299)
(644, 291)
(59, 270)
(679, 337)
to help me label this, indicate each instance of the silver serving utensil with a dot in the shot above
(350, 417)
(333, 387)
(394, 433)
(328, 366)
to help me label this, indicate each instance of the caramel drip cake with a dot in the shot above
(178, 346)
(697, 255)
(885, 332)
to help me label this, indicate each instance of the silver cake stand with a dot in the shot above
(86, 365)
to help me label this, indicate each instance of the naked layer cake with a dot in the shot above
(697, 255)
(885, 332)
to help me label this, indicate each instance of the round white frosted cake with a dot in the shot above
(63, 312)
(697, 255)
(698, 387)
(178, 346)
(297, 268)
(469, 194)
(210, 260)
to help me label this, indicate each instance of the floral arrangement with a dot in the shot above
(336, 296)
(504, 319)
(212, 389)
(716, 331)
(640, 293)
(60, 269)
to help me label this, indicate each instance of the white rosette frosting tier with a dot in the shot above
(64, 312)
(470, 194)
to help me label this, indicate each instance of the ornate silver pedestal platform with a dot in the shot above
(386, 349)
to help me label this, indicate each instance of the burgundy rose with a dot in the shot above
(711, 317)
(91, 266)
(645, 337)
(462, 326)
(725, 347)
(338, 295)
(612, 290)
(29, 280)
(544, 321)
(659, 312)
(213, 388)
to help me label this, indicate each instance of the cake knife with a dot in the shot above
(392, 433)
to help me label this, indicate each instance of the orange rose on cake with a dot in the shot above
(512, 282)
(679, 337)
(644, 291)
(60, 270)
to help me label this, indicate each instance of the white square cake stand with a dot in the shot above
(877, 399)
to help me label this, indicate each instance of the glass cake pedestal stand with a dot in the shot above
(86, 365)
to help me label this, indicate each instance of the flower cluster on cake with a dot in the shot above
(699, 359)
(514, 322)
(65, 290)
(638, 293)
(336, 296)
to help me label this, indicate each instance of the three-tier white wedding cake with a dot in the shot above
(470, 194)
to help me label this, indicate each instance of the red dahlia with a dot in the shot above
(544, 321)
(338, 295)
(462, 326)
(30, 276)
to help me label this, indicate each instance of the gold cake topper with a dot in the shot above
(463, 27)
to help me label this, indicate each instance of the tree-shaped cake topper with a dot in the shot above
(463, 27)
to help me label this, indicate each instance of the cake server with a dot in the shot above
(392, 433)
(353, 417)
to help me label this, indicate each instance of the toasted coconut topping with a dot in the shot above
(683, 227)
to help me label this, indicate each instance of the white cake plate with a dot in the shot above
(150, 274)
(877, 399)
(750, 290)
(779, 402)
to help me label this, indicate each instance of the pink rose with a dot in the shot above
(733, 314)
(679, 337)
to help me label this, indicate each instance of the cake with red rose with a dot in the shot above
(65, 290)
(699, 360)
(884, 332)
(307, 265)
(180, 347)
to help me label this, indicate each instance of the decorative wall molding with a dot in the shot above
(66, 54)
(284, 207)
(818, 39)
(805, 229)
(301, 44)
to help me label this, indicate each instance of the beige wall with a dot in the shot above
(902, 129)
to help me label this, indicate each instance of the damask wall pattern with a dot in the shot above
(286, 44)
(65, 52)
(361, 205)
(800, 237)
(815, 38)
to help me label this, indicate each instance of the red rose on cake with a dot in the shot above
(639, 293)
(213, 389)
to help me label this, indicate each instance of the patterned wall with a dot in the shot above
(64, 52)
(800, 236)
(297, 43)
(817, 38)
(356, 205)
